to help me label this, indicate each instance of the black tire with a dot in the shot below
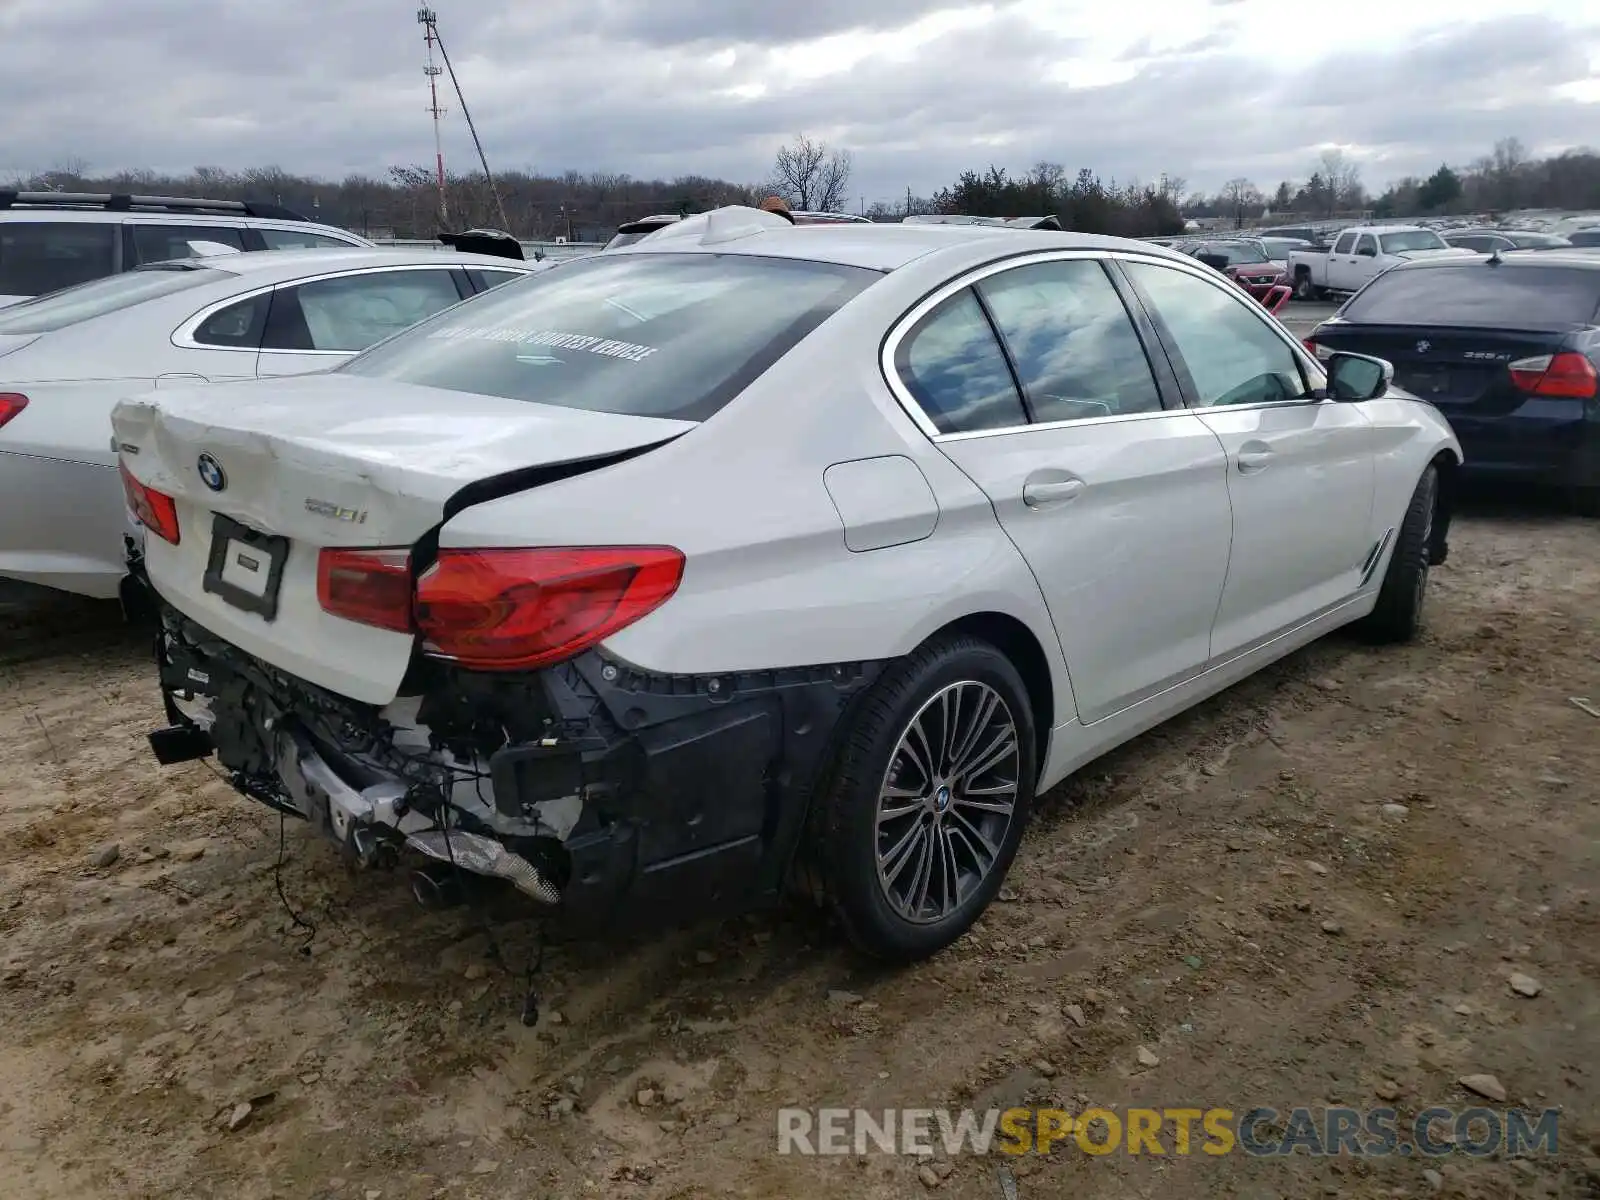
(1304, 289)
(845, 829)
(1398, 615)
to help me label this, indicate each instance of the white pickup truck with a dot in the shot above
(1360, 254)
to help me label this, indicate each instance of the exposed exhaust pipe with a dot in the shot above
(437, 888)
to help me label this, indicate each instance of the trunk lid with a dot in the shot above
(265, 474)
(1461, 371)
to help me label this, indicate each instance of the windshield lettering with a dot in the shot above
(607, 347)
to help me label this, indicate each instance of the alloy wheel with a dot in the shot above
(947, 800)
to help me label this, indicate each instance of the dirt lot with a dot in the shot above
(1229, 893)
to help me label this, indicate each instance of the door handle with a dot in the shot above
(1254, 456)
(1041, 495)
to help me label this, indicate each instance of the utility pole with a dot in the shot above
(426, 17)
(908, 200)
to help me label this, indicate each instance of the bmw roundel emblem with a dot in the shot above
(211, 473)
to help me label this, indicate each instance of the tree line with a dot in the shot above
(1504, 180)
(809, 174)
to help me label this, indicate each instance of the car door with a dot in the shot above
(1369, 263)
(1300, 469)
(318, 323)
(1342, 263)
(1035, 380)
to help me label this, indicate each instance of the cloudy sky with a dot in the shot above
(917, 89)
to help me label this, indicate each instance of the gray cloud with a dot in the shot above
(647, 88)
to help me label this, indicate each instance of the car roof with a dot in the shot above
(43, 214)
(877, 247)
(262, 262)
(1539, 259)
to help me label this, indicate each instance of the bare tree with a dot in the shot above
(1239, 194)
(1343, 180)
(810, 175)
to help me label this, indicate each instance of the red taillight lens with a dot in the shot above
(155, 510)
(11, 403)
(1568, 374)
(1311, 347)
(369, 586)
(514, 609)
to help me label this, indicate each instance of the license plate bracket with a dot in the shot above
(245, 567)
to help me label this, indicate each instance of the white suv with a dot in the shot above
(52, 240)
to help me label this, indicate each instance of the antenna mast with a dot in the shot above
(433, 25)
(427, 18)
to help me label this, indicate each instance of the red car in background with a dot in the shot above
(1244, 260)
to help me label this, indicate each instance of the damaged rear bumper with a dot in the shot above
(605, 794)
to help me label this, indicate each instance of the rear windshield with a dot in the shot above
(653, 335)
(43, 256)
(1536, 241)
(1511, 297)
(102, 296)
(1420, 239)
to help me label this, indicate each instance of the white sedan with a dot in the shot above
(66, 358)
(743, 548)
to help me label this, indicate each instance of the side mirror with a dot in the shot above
(1367, 252)
(1357, 377)
(1217, 262)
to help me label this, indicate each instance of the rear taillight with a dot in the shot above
(1311, 347)
(1568, 374)
(156, 510)
(11, 403)
(372, 587)
(514, 609)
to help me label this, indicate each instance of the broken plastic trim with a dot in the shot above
(485, 856)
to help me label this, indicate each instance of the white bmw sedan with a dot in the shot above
(752, 545)
(67, 357)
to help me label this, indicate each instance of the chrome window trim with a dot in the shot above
(183, 336)
(908, 321)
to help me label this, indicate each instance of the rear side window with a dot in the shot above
(484, 280)
(299, 239)
(956, 371)
(237, 327)
(43, 256)
(1345, 245)
(161, 243)
(1073, 343)
(1509, 296)
(656, 335)
(102, 296)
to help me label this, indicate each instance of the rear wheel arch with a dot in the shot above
(1447, 464)
(1017, 642)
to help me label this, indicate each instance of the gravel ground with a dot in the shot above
(1230, 911)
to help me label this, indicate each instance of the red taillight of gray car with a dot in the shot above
(502, 609)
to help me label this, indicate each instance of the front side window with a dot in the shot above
(1233, 356)
(161, 243)
(956, 371)
(652, 335)
(1074, 345)
(1367, 245)
(44, 256)
(353, 312)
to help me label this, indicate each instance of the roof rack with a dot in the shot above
(125, 202)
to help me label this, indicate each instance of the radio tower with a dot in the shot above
(428, 19)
